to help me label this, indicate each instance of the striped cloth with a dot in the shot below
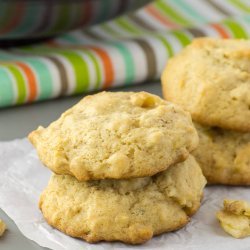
(44, 18)
(128, 50)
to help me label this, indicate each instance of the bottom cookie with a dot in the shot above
(131, 211)
(223, 155)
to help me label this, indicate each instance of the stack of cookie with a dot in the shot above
(122, 168)
(211, 79)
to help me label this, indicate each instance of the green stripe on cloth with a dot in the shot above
(20, 82)
(41, 70)
(128, 62)
(79, 65)
(125, 25)
(166, 44)
(240, 5)
(109, 30)
(235, 28)
(97, 68)
(80, 69)
(44, 77)
(44, 52)
(183, 38)
(170, 12)
(7, 92)
(186, 8)
(246, 19)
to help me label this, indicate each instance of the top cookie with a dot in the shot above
(211, 79)
(116, 135)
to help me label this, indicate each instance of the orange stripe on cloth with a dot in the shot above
(107, 63)
(220, 30)
(32, 84)
(161, 18)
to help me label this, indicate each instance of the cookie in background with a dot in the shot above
(210, 78)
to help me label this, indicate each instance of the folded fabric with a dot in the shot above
(45, 18)
(129, 50)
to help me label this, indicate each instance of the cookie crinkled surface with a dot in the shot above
(223, 155)
(130, 211)
(211, 79)
(116, 135)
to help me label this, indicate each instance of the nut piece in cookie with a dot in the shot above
(131, 211)
(2, 227)
(235, 218)
(116, 135)
(211, 79)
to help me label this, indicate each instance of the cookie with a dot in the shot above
(223, 155)
(235, 218)
(130, 211)
(116, 135)
(211, 79)
(2, 227)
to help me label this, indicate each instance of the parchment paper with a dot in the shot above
(22, 178)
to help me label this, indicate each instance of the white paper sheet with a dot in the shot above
(22, 178)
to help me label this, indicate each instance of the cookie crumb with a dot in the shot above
(2, 227)
(235, 218)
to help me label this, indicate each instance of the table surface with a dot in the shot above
(17, 122)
